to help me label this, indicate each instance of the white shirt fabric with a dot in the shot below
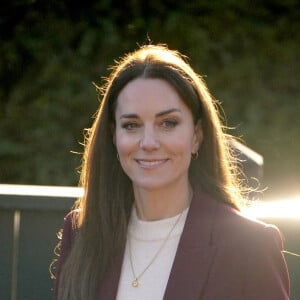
(146, 239)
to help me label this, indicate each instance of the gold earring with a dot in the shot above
(195, 155)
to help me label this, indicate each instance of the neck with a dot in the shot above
(162, 203)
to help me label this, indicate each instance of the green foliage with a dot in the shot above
(51, 52)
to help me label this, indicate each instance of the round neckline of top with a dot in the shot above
(149, 231)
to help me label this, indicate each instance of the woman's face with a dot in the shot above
(154, 134)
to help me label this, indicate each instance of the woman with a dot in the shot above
(160, 215)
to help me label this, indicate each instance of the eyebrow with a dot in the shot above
(162, 113)
(168, 111)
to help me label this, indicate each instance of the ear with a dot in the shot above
(198, 137)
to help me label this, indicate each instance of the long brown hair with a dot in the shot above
(104, 210)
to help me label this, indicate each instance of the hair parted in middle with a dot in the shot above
(104, 210)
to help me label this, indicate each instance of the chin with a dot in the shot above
(149, 185)
(152, 185)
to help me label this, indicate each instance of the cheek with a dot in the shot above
(121, 145)
(181, 147)
(124, 144)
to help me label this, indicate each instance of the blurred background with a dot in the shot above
(52, 51)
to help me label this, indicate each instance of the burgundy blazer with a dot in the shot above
(221, 255)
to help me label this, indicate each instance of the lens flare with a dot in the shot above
(289, 208)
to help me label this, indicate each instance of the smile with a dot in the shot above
(151, 163)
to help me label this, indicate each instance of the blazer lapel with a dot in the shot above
(195, 251)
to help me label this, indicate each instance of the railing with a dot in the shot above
(30, 217)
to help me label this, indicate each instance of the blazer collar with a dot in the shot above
(195, 251)
(193, 258)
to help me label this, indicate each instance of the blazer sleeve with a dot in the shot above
(267, 270)
(68, 236)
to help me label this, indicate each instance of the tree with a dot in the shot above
(52, 51)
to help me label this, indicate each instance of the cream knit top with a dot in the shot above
(146, 239)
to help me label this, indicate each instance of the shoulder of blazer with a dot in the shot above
(243, 228)
(69, 232)
(248, 251)
(70, 229)
(230, 227)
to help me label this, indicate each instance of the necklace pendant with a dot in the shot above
(135, 282)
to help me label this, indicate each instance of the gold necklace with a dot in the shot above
(136, 278)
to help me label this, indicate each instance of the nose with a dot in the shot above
(149, 140)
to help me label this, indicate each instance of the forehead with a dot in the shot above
(145, 94)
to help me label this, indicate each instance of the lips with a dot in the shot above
(150, 163)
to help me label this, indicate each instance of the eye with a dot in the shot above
(130, 126)
(169, 123)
